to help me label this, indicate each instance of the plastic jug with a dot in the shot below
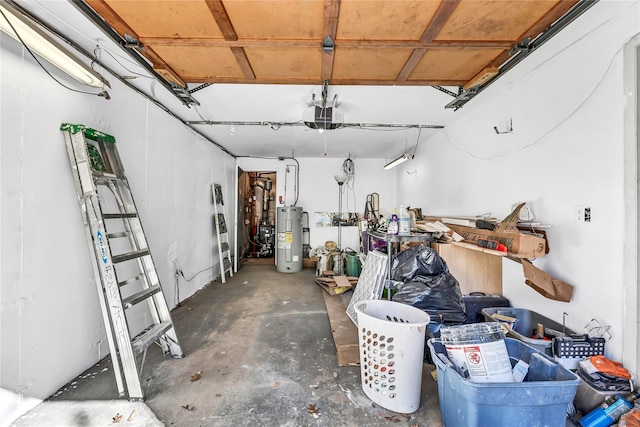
(403, 221)
(393, 224)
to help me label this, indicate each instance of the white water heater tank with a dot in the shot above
(289, 240)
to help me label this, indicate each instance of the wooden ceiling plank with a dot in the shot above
(122, 28)
(501, 59)
(350, 44)
(414, 49)
(155, 59)
(221, 16)
(111, 17)
(219, 13)
(411, 64)
(482, 77)
(549, 18)
(442, 15)
(444, 12)
(329, 29)
(169, 75)
(243, 62)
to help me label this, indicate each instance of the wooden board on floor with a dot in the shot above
(345, 334)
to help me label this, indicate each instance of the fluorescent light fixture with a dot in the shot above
(399, 160)
(46, 47)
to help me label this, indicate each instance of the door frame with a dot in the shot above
(631, 331)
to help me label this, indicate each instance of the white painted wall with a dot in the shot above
(51, 327)
(319, 191)
(566, 150)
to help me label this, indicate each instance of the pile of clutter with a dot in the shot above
(512, 346)
(333, 276)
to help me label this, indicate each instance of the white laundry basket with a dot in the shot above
(391, 338)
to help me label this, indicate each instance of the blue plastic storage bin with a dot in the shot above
(541, 400)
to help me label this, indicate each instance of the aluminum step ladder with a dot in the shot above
(124, 271)
(222, 233)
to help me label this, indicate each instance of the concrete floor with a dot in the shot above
(264, 348)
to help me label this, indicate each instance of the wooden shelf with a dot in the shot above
(473, 247)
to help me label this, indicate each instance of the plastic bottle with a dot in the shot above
(608, 413)
(412, 219)
(403, 221)
(393, 224)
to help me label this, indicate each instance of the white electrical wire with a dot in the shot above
(554, 127)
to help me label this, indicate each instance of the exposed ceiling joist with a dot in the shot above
(221, 17)
(329, 32)
(350, 44)
(442, 15)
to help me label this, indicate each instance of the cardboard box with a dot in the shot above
(310, 262)
(546, 285)
(519, 244)
(336, 285)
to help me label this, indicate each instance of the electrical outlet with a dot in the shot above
(583, 214)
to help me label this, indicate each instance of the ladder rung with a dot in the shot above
(132, 300)
(149, 337)
(120, 215)
(117, 235)
(131, 280)
(129, 255)
(104, 177)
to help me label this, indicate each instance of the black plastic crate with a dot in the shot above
(578, 346)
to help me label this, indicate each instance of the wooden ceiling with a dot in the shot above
(366, 42)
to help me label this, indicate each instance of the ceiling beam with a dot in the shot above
(243, 62)
(411, 64)
(351, 44)
(442, 15)
(219, 13)
(312, 80)
(329, 29)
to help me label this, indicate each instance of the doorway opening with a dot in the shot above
(256, 235)
(631, 256)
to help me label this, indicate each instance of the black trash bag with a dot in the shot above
(439, 296)
(422, 280)
(420, 260)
